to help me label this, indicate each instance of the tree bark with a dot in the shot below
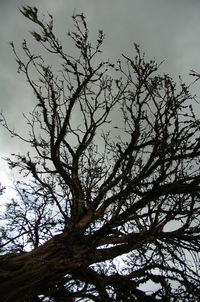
(23, 276)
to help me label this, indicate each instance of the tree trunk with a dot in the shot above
(23, 276)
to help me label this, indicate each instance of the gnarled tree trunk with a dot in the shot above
(25, 275)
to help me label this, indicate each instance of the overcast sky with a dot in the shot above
(165, 29)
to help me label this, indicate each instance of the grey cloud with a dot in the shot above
(165, 30)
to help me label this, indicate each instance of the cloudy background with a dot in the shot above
(165, 29)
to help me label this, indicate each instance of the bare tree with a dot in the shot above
(113, 171)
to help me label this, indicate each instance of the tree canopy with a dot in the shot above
(109, 199)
